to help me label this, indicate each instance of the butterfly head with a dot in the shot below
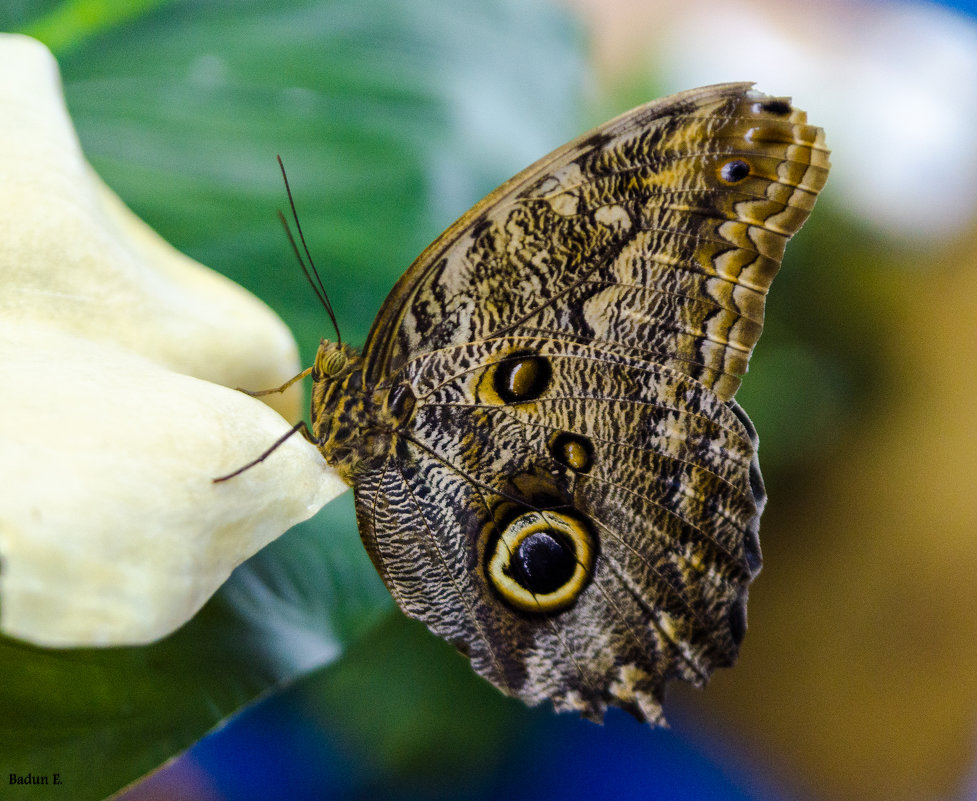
(332, 360)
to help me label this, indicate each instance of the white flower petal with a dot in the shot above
(73, 255)
(111, 529)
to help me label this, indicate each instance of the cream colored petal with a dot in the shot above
(73, 255)
(111, 529)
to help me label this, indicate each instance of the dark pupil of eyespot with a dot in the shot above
(778, 107)
(734, 171)
(543, 563)
(572, 450)
(522, 378)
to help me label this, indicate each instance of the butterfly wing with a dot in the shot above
(573, 499)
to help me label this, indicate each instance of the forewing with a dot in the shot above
(655, 235)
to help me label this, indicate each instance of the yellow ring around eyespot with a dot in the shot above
(520, 528)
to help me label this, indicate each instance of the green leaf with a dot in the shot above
(392, 118)
(67, 25)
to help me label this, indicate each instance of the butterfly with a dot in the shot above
(548, 465)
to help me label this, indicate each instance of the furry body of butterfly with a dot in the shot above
(549, 467)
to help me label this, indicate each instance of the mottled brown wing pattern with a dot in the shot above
(658, 233)
(667, 491)
(548, 465)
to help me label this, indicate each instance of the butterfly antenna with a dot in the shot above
(310, 271)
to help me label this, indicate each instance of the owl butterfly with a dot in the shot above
(548, 465)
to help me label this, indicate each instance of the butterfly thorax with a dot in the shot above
(352, 424)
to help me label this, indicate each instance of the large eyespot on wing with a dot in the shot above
(656, 235)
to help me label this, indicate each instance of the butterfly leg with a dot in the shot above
(260, 392)
(299, 426)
